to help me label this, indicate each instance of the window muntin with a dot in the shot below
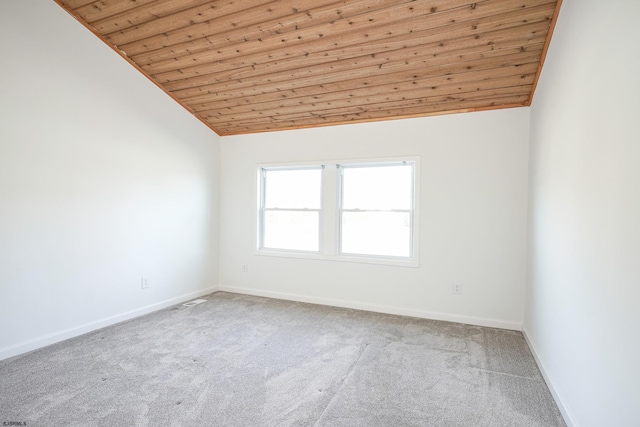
(376, 209)
(290, 211)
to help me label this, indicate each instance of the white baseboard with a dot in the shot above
(43, 341)
(548, 378)
(478, 321)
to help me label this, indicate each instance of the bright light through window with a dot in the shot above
(290, 209)
(376, 210)
(293, 189)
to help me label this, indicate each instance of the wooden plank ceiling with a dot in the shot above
(246, 66)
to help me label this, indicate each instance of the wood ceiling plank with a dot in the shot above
(104, 8)
(264, 118)
(145, 13)
(430, 77)
(309, 95)
(380, 78)
(323, 37)
(231, 128)
(443, 89)
(356, 116)
(201, 37)
(476, 83)
(417, 106)
(352, 82)
(216, 17)
(334, 90)
(496, 31)
(433, 87)
(325, 73)
(403, 59)
(321, 53)
(245, 66)
(386, 108)
(75, 4)
(487, 78)
(387, 100)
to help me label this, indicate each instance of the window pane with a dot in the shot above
(293, 189)
(291, 230)
(376, 233)
(377, 188)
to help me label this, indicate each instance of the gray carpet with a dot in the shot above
(245, 361)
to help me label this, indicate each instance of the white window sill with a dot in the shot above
(363, 259)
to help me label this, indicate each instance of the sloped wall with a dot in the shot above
(103, 180)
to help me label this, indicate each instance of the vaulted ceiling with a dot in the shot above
(246, 66)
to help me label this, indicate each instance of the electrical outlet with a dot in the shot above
(245, 268)
(144, 283)
(456, 288)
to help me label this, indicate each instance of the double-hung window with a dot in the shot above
(376, 209)
(360, 211)
(290, 208)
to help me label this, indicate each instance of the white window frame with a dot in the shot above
(341, 167)
(262, 175)
(330, 213)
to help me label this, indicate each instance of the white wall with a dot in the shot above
(103, 179)
(582, 312)
(472, 218)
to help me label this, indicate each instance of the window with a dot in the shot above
(290, 208)
(376, 209)
(361, 211)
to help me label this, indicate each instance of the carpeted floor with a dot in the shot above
(245, 361)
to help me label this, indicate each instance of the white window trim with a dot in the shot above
(330, 212)
(262, 208)
(341, 210)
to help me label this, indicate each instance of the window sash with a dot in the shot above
(290, 241)
(342, 210)
(263, 210)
